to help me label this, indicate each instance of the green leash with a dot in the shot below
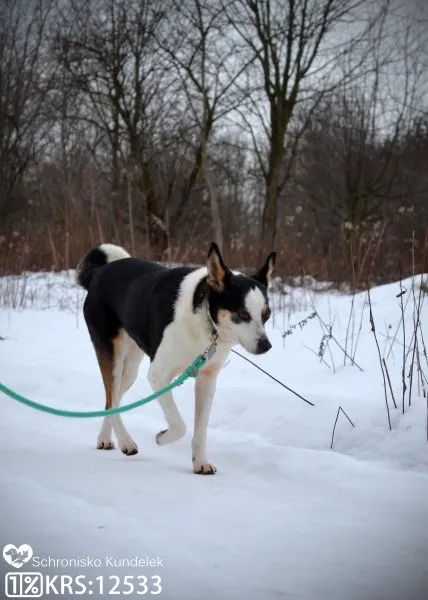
(191, 371)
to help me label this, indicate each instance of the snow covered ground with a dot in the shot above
(285, 516)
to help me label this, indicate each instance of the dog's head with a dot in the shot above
(238, 304)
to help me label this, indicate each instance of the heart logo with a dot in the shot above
(17, 557)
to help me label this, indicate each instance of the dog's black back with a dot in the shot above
(137, 295)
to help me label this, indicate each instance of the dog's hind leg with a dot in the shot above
(111, 344)
(124, 373)
(104, 352)
(176, 425)
(131, 364)
(119, 369)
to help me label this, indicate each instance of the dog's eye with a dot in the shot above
(266, 315)
(243, 315)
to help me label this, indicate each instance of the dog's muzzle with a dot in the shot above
(263, 346)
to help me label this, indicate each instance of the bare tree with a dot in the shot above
(109, 51)
(349, 167)
(25, 81)
(300, 123)
(296, 46)
(208, 65)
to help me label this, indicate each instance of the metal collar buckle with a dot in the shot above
(209, 352)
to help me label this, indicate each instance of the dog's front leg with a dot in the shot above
(204, 393)
(176, 426)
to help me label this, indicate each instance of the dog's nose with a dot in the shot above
(263, 346)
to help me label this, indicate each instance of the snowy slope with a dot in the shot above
(285, 516)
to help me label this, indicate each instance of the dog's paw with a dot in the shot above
(168, 436)
(105, 444)
(203, 468)
(129, 448)
(159, 437)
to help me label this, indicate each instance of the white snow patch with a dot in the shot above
(285, 517)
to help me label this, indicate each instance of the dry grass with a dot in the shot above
(349, 263)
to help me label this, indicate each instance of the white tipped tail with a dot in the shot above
(113, 252)
(96, 259)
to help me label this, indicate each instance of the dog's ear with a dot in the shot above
(264, 274)
(217, 270)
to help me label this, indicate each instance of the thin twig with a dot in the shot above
(421, 374)
(347, 416)
(380, 357)
(394, 338)
(274, 378)
(389, 382)
(423, 343)
(416, 324)
(403, 367)
(317, 355)
(325, 344)
(395, 341)
(324, 327)
(359, 332)
(351, 318)
(341, 347)
(335, 423)
(300, 324)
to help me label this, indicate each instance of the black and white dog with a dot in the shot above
(135, 307)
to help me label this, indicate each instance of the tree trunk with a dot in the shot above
(269, 220)
(273, 190)
(214, 204)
